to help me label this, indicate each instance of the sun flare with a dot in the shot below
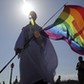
(27, 7)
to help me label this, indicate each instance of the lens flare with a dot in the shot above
(27, 7)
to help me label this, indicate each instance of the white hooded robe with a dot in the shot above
(36, 62)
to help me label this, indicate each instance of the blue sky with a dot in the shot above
(11, 22)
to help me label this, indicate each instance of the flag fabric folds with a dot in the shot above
(69, 26)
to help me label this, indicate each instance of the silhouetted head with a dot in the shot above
(59, 77)
(32, 15)
(80, 58)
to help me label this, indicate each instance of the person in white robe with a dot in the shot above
(38, 59)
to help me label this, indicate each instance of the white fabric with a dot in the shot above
(36, 62)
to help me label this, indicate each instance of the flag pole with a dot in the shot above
(8, 63)
(53, 15)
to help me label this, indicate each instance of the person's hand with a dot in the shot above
(18, 51)
(37, 34)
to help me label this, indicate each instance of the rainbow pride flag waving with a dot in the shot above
(69, 26)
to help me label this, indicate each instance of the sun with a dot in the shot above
(27, 7)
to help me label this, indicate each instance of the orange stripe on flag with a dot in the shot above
(80, 31)
(78, 18)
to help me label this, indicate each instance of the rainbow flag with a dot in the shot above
(69, 26)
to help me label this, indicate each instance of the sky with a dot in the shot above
(12, 19)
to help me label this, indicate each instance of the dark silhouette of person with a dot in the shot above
(80, 68)
(58, 81)
(16, 81)
(38, 59)
(3, 82)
